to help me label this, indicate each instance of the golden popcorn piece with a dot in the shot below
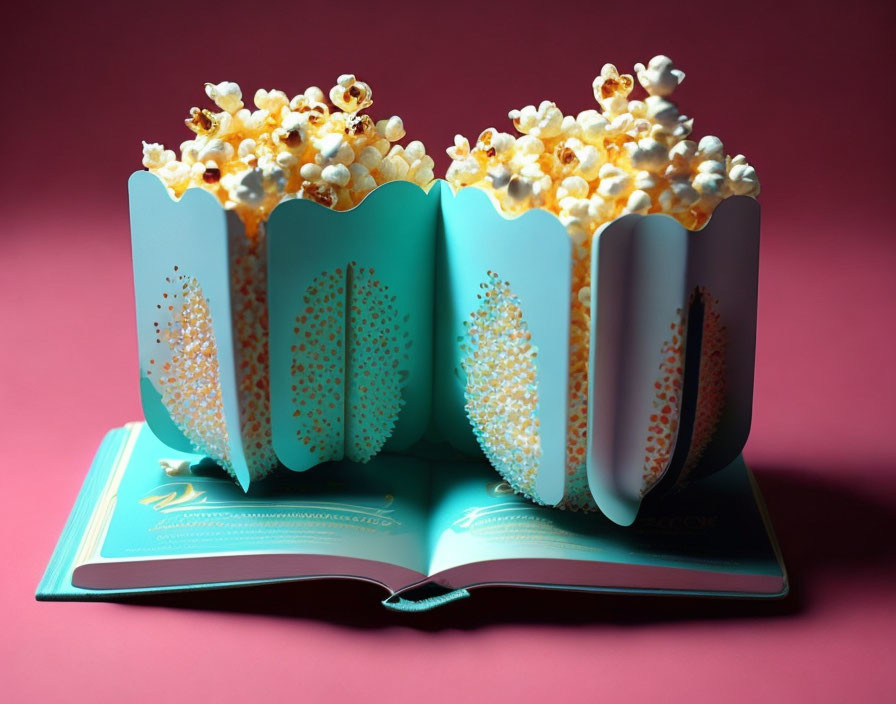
(203, 122)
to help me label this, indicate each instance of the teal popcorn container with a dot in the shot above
(429, 316)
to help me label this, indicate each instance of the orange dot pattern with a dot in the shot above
(578, 495)
(187, 373)
(349, 364)
(250, 330)
(501, 393)
(711, 396)
(318, 366)
(377, 362)
(664, 416)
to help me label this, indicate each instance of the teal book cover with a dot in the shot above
(427, 531)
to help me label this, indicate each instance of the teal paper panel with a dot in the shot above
(723, 258)
(531, 254)
(180, 248)
(638, 291)
(351, 313)
(647, 274)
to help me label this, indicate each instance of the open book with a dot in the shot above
(427, 531)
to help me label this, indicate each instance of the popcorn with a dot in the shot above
(659, 77)
(611, 89)
(351, 95)
(286, 148)
(336, 174)
(392, 129)
(155, 156)
(175, 468)
(271, 101)
(226, 95)
(631, 156)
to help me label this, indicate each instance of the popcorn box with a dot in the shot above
(427, 314)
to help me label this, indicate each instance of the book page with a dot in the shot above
(374, 511)
(476, 519)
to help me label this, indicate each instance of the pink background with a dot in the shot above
(804, 89)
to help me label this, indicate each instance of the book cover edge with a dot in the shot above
(55, 583)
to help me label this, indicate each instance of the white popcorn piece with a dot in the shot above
(248, 187)
(638, 202)
(593, 126)
(461, 148)
(659, 77)
(315, 94)
(175, 468)
(611, 90)
(589, 161)
(415, 150)
(614, 181)
(174, 174)
(663, 111)
(499, 176)
(545, 122)
(336, 174)
(215, 150)
(310, 172)
(370, 158)
(328, 146)
(272, 101)
(393, 128)
(742, 177)
(286, 161)
(155, 156)
(382, 146)
(351, 95)
(465, 172)
(574, 186)
(226, 95)
(246, 148)
(649, 154)
(257, 120)
(711, 148)
(645, 181)
(530, 145)
(360, 177)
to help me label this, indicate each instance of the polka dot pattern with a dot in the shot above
(186, 372)
(711, 396)
(578, 495)
(190, 381)
(250, 329)
(349, 364)
(501, 393)
(378, 346)
(664, 416)
(318, 366)
(710, 403)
